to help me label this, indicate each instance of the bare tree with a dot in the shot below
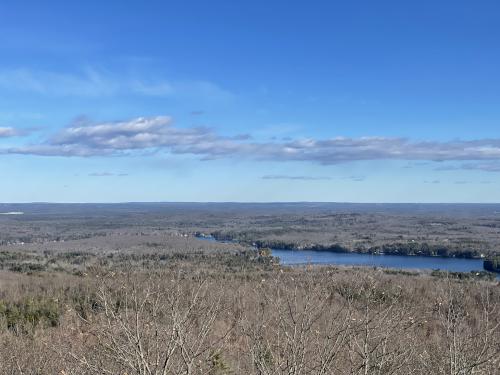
(299, 330)
(157, 326)
(380, 340)
(471, 340)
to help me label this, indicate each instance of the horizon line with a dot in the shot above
(251, 202)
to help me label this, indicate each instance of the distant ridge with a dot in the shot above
(161, 208)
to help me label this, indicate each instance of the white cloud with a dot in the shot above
(160, 134)
(136, 134)
(6, 132)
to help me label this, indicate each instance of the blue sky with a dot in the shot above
(360, 101)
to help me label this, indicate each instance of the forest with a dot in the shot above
(133, 291)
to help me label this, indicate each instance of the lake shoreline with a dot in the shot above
(338, 255)
(337, 249)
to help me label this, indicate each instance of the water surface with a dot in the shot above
(291, 257)
(415, 262)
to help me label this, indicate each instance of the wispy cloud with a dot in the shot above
(6, 132)
(107, 174)
(159, 134)
(465, 182)
(413, 164)
(198, 112)
(487, 166)
(152, 89)
(357, 178)
(302, 178)
(88, 83)
(91, 82)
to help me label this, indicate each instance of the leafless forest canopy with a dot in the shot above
(467, 230)
(129, 289)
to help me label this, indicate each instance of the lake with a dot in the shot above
(296, 257)
(291, 257)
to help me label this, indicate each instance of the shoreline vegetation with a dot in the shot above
(490, 264)
(398, 248)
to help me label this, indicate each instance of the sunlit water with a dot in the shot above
(291, 257)
(294, 257)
